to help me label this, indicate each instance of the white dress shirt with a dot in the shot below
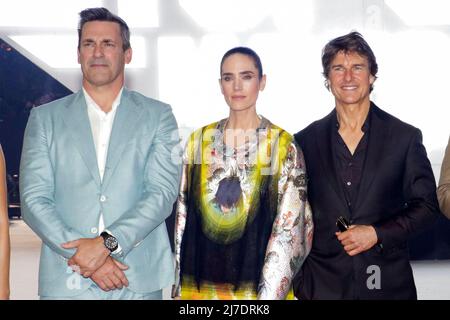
(101, 126)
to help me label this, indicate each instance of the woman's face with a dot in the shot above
(240, 82)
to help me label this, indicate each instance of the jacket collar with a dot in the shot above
(78, 125)
(377, 138)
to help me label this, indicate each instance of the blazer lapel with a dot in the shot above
(377, 139)
(326, 152)
(78, 126)
(127, 116)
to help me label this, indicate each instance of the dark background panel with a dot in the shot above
(23, 86)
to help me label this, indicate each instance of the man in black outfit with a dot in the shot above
(372, 169)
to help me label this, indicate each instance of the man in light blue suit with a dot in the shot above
(98, 180)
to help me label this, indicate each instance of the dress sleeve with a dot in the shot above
(180, 218)
(291, 238)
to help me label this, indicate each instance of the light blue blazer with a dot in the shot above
(62, 194)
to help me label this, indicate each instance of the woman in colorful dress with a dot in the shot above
(243, 224)
(4, 232)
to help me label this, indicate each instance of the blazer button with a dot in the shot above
(102, 198)
(94, 230)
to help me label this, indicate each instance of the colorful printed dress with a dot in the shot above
(243, 224)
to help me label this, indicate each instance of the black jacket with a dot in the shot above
(397, 196)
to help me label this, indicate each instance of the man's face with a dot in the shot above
(350, 79)
(101, 54)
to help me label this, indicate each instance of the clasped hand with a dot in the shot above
(357, 239)
(92, 260)
(91, 254)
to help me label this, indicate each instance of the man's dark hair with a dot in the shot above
(103, 14)
(352, 42)
(245, 51)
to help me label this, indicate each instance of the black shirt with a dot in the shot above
(350, 167)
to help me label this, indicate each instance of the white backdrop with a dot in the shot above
(178, 46)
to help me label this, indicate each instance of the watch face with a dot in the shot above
(111, 243)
